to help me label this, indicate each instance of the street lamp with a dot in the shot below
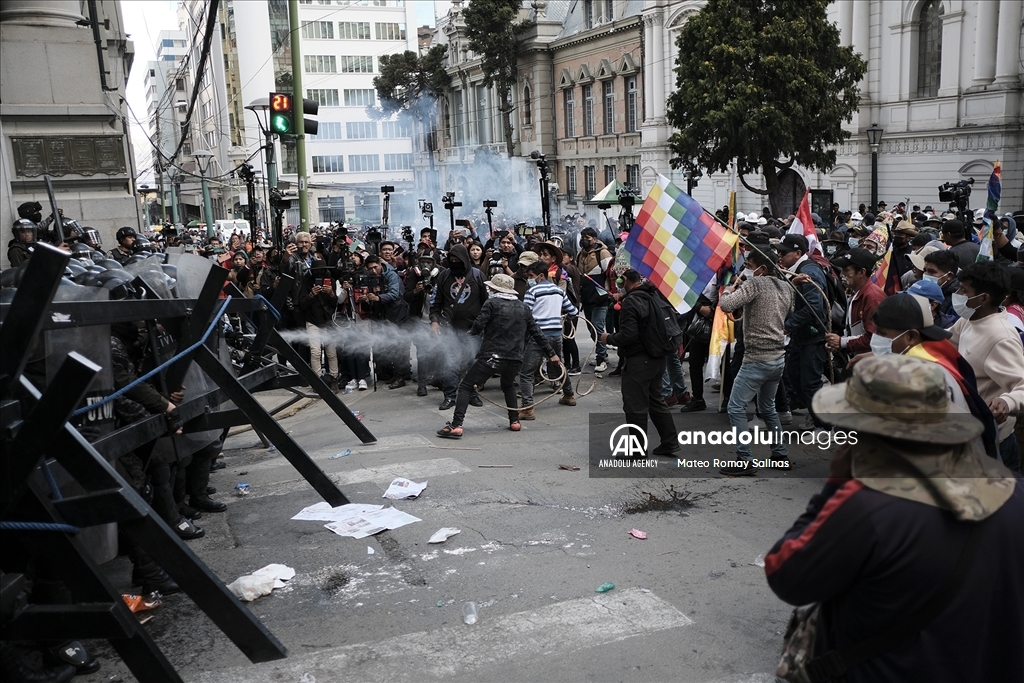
(874, 133)
(203, 158)
(143, 192)
(262, 104)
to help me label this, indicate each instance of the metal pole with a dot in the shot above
(874, 179)
(300, 133)
(174, 200)
(271, 163)
(207, 209)
(145, 211)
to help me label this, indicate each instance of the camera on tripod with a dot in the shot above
(407, 233)
(426, 208)
(449, 201)
(627, 196)
(954, 193)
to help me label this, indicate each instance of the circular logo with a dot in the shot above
(628, 441)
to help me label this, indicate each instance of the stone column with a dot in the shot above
(660, 56)
(845, 22)
(985, 41)
(860, 34)
(41, 12)
(1008, 41)
(949, 77)
(650, 59)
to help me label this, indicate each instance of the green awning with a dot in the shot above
(609, 195)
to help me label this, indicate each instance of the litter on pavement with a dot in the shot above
(404, 488)
(242, 489)
(442, 535)
(636, 533)
(370, 550)
(370, 523)
(758, 561)
(347, 451)
(604, 587)
(570, 468)
(261, 582)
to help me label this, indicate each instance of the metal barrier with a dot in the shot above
(55, 482)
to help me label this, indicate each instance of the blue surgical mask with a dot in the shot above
(531, 281)
(930, 278)
(853, 243)
(882, 346)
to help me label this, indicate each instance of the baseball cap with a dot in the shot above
(928, 290)
(860, 258)
(909, 312)
(791, 243)
(528, 258)
(907, 228)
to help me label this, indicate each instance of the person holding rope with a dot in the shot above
(505, 321)
(548, 304)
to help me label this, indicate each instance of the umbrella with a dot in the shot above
(609, 195)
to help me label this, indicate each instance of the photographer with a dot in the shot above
(506, 257)
(240, 274)
(420, 281)
(318, 304)
(392, 360)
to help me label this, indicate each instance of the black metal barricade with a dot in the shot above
(56, 484)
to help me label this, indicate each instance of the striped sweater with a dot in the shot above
(548, 303)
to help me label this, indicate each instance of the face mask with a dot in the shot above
(458, 268)
(531, 281)
(882, 346)
(831, 248)
(930, 278)
(747, 273)
(961, 307)
(853, 243)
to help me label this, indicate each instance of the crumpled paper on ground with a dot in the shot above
(261, 582)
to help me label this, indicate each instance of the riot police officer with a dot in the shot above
(21, 247)
(125, 241)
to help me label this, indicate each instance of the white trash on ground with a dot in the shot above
(442, 535)
(402, 488)
(261, 582)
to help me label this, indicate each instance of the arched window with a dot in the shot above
(527, 117)
(929, 49)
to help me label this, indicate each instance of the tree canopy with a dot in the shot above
(410, 84)
(493, 30)
(764, 82)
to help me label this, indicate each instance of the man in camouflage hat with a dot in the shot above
(907, 497)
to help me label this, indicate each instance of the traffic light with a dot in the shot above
(282, 117)
(311, 107)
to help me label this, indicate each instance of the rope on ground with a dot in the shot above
(560, 378)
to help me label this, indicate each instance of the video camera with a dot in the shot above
(449, 201)
(627, 196)
(954, 193)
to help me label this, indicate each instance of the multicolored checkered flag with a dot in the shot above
(677, 245)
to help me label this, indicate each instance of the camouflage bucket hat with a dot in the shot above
(898, 397)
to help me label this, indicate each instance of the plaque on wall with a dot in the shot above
(63, 155)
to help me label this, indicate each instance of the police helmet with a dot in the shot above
(24, 224)
(142, 243)
(124, 233)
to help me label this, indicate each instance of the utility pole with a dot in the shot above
(297, 112)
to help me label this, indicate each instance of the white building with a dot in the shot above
(166, 84)
(352, 156)
(944, 81)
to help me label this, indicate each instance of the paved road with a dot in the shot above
(689, 602)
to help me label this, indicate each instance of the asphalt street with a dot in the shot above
(690, 602)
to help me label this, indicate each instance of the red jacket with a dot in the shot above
(862, 308)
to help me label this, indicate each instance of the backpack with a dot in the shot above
(662, 336)
(835, 295)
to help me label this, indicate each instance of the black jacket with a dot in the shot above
(460, 314)
(505, 324)
(873, 560)
(802, 326)
(18, 252)
(633, 317)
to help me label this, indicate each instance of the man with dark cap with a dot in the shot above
(903, 233)
(955, 237)
(912, 550)
(20, 248)
(857, 267)
(125, 241)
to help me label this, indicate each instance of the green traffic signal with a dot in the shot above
(281, 123)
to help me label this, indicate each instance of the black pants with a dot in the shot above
(698, 358)
(569, 346)
(805, 366)
(641, 395)
(481, 370)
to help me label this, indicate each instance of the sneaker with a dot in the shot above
(694, 406)
(447, 404)
(808, 424)
(351, 386)
(397, 384)
(575, 371)
(567, 400)
(601, 367)
(786, 418)
(476, 401)
(738, 471)
(362, 385)
(450, 432)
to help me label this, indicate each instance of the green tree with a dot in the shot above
(765, 83)
(493, 29)
(410, 85)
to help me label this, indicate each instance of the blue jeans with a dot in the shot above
(760, 380)
(673, 382)
(597, 315)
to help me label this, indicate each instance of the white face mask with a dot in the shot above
(831, 248)
(930, 278)
(531, 281)
(747, 273)
(961, 307)
(853, 243)
(882, 346)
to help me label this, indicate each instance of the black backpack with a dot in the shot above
(835, 295)
(662, 336)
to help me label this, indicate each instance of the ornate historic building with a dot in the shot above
(944, 82)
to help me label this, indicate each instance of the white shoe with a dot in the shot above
(362, 385)
(601, 367)
(351, 385)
